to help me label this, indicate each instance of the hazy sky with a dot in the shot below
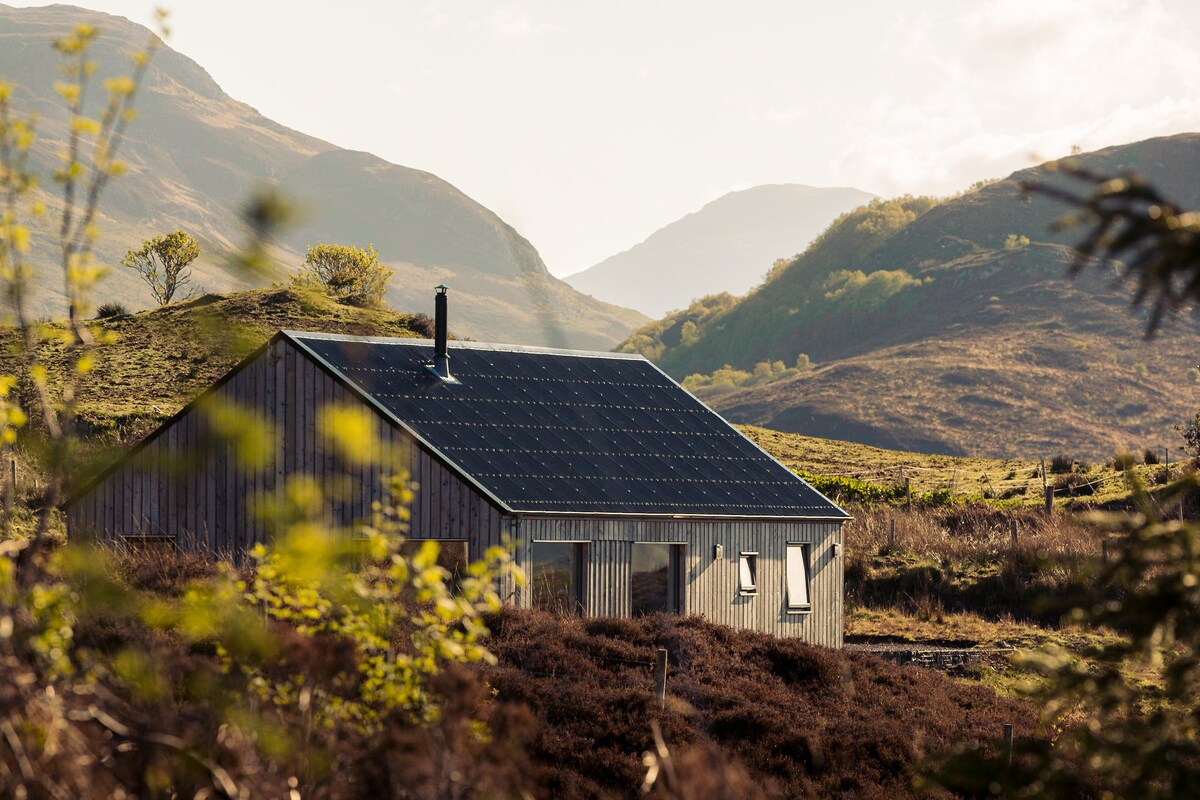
(588, 125)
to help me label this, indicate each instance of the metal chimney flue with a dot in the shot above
(441, 359)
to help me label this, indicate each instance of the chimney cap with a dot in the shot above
(441, 289)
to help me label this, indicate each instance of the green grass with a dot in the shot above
(164, 358)
(1016, 480)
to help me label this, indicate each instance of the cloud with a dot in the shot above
(1003, 85)
(509, 23)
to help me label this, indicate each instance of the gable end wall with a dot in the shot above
(187, 485)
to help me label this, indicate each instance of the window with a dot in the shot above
(556, 577)
(748, 573)
(798, 598)
(655, 581)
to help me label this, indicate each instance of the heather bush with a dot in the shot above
(776, 717)
(109, 310)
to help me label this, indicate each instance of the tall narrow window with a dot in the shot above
(655, 582)
(798, 598)
(748, 573)
(556, 577)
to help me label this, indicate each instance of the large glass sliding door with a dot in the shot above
(656, 578)
(556, 576)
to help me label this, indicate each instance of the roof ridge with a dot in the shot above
(463, 344)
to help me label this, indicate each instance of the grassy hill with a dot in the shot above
(723, 247)
(164, 358)
(951, 327)
(195, 154)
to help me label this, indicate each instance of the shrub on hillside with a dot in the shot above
(422, 324)
(108, 310)
(844, 489)
(1075, 485)
(1061, 464)
(346, 273)
(1123, 461)
(1150, 456)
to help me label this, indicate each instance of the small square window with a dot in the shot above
(748, 573)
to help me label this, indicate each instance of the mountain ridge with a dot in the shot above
(195, 154)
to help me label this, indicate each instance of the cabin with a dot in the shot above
(621, 492)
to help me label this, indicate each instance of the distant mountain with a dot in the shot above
(195, 154)
(952, 327)
(726, 246)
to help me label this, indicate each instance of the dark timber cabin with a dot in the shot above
(622, 492)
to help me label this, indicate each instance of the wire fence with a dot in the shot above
(997, 484)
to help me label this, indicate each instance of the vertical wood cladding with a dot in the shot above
(711, 585)
(187, 483)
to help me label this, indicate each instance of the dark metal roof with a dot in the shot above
(570, 432)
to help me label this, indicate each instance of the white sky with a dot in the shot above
(588, 125)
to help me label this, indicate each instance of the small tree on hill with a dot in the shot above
(348, 273)
(162, 262)
(1191, 434)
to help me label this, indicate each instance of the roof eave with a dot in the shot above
(665, 515)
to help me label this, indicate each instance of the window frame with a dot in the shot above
(581, 554)
(805, 549)
(676, 559)
(750, 558)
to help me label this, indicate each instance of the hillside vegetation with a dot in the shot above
(163, 359)
(195, 155)
(952, 327)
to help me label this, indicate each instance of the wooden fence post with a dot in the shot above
(1012, 530)
(907, 493)
(1049, 499)
(662, 677)
(1008, 741)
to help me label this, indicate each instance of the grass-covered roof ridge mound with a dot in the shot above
(162, 359)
